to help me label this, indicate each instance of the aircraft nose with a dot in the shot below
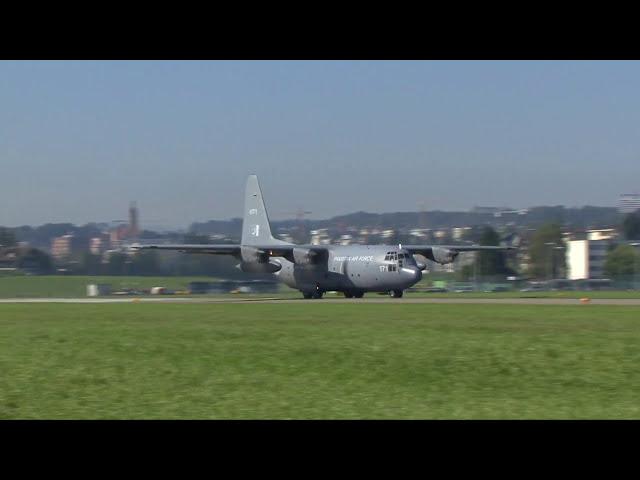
(412, 274)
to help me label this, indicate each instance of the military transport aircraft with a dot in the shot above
(315, 269)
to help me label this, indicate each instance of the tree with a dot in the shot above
(547, 252)
(622, 261)
(145, 263)
(118, 264)
(91, 264)
(491, 263)
(465, 273)
(7, 238)
(35, 260)
(631, 226)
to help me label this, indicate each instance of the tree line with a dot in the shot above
(546, 257)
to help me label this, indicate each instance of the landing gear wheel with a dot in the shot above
(359, 294)
(348, 295)
(317, 295)
(307, 295)
(396, 293)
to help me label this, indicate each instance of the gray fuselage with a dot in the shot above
(354, 268)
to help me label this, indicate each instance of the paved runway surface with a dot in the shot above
(380, 299)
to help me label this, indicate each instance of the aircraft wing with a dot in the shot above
(194, 248)
(428, 249)
(286, 251)
(447, 253)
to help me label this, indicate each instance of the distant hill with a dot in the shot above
(573, 218)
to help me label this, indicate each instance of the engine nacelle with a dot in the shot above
(253, 255)
(307, 256)
(442, 255)
(255, 260)
(302, 256)
(272, 266)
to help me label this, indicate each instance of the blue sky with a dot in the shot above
(79, 140)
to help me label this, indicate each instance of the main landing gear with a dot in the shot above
(396, 293)
(353, 294)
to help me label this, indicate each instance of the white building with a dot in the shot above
(629, 202)
(458, 232)
(61, 247)
(585, 258)
(602, 234)
(345, 239)
(97, 245)
(320, 237)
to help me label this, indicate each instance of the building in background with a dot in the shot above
(602, 234)
(61, 247)
(98, 245)
(320, 237)
(117, 235)
(125, 231)
(629, 202)
(457, 233)
(585, 258)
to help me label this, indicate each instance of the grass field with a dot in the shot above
(76, 285)
(317, 360)
(614, 294)
(60, 286)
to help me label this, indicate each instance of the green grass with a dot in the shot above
(613, 294)
(317, 360)
(76, 285)
(60, 286)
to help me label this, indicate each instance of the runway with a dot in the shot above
(354, 301)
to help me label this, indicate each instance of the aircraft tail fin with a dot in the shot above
(255, 224)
